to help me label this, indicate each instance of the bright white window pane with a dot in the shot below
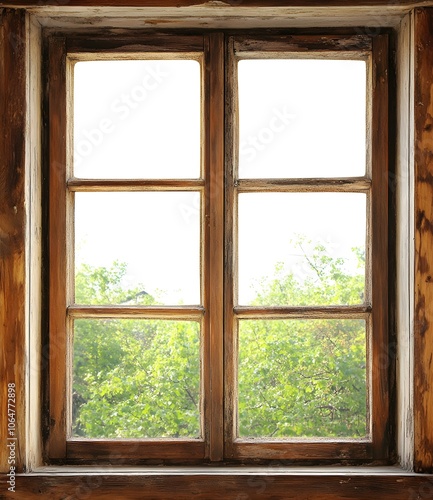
(137, 119)
(301, 248)
(302, 118)
(146, 233)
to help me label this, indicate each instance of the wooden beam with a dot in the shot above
(12, 239)
(423, 321)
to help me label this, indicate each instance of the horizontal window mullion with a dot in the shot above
(164, 44)
(138, 312)
(95, 185)
(134, 449)
(303, 312)
(301, 45)
(349, 184)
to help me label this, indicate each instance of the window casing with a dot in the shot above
(220, 186)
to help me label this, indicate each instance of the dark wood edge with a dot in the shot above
(273, 482)
(87, 450)
(56, 154)
(188, 3)
(303, 43)
(137, 42)
(13, 236)
(423, 266)
(381, 359)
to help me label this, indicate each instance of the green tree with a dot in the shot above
(305, 377)
(132, 377)
(296, 378)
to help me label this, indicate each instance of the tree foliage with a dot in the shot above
(135, 378)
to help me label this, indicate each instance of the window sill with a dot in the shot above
(240, 483)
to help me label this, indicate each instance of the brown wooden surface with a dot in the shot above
(122, 450)
(423, 321)
(272, 483)
(12, 232)
(214, 238)
(302, 44)
(101, 185)
(125, 311)
(302, 312)
(186, 3)
(381, 362)
(334, 185)
(141, 42)
(57, 247)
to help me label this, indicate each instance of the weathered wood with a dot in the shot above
(334, 185)
(100, 185)
(401, 186)
(135, 450)
(423, 320)
(13, 250)
(304, 312)
(125, 311)
(357, 44)
(381, 361)
(296, 449)
(230, 252)
(214, 241)
(140, 42)
(188, 3)
(273, 482)
(58, 232)
(37, 358)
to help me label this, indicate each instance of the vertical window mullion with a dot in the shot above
(57, 246)
(214, 245)
(381, 360)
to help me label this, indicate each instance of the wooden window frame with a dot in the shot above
(23, 210)
(218, 317)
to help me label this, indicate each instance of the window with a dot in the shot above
(185, 252)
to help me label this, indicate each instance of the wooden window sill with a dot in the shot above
(240, 483)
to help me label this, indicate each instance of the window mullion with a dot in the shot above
(214, 245)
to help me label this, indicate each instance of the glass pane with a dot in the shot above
(302, 118)
(137, 119)
(137, 248)
(302, 378)
(136, 379)
(301, 248)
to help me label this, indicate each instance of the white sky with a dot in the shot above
(298, 118)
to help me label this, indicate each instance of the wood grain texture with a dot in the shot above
(273, 483)
(13, 220)
(188, 3)
(214, 238)
(125, 311)
(381, 361)
(334, 185)
(402, 188)
(423, 321)
(57, 247)
(101, 185)
(124, 451)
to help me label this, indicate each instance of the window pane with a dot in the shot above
(137, 248)
(136, 379)
(302, 118)
(137, 119)
(302, 378)
(301, 248)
